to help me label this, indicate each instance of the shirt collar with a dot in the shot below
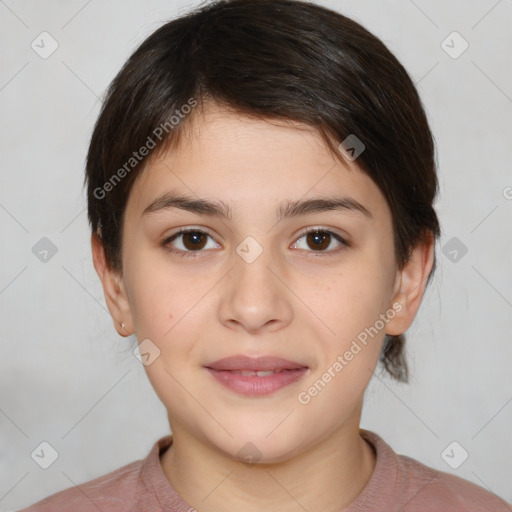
(377, 494)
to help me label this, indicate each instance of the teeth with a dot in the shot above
(259, 373)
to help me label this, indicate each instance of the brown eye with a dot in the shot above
(189, 242)
(319, 240)
(194, 240)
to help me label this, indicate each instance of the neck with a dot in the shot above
(326, 477)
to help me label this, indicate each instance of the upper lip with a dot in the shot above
(261, 363)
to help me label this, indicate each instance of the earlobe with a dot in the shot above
(113, 289)
(410, 284)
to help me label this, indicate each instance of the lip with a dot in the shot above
(227, 372)
(263, 363)
(252, 385)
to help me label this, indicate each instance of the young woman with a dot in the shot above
(260, 188)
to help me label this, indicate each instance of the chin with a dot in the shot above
(255, 446)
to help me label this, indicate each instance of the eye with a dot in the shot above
(189, 242)
(320, 240)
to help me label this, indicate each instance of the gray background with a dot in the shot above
(67, 378)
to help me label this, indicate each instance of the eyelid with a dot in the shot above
(188, 229)
(322, 229)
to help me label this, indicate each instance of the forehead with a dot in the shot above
(240, 160)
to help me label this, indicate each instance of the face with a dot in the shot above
(255, 283)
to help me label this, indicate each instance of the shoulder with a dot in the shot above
(434, 489)
(111, 492)
(402, 483)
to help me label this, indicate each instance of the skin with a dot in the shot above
(292, 302)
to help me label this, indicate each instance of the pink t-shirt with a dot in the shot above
(398, 484)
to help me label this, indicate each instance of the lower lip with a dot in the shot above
(252, 385)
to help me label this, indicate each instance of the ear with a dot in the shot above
(113, 288)
(410, 284)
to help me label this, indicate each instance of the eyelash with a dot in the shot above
(314, 254)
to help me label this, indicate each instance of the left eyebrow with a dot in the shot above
(286, 209)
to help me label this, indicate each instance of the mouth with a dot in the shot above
(259, 373)
(241, 363)
(256, 376)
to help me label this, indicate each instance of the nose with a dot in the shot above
(254, 298)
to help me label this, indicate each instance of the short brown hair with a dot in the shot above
(270, 59)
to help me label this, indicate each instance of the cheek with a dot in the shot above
(160, 295)
(350, 304)
(170, 309)
(347, 357)
(354, 297)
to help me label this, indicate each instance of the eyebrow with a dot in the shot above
(286, 209)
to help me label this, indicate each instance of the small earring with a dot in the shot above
(122, 326)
